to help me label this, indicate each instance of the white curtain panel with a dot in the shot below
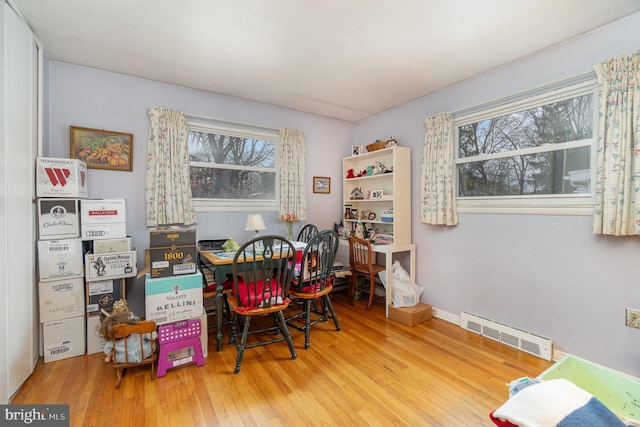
(617, 187)
(438, 196)
(293, 194)
(168, 187)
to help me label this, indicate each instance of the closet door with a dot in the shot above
(17, 212)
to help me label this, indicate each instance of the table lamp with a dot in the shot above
(255, 223)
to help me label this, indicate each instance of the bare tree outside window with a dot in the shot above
(227, 167)
(544, 150)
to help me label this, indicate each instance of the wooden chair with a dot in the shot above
(261, 288)
(361, 260)
(306, 233)
(139, 342)
(313, 282)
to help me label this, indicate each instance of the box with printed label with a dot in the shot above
(172, 236)
(166, 262)
(64, 338)
(95, 342)
(59, 259)
(112, 245)
(174, 298)
(61, 299)
(172, 251)
(103, 219)
(58, 219)
(61, 177)
(102, 294)
(114, 265)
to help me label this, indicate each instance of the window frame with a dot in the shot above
(242, 130)
(546, 204)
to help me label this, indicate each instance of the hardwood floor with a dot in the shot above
(373, 372)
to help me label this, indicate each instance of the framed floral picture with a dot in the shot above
(102, 149)
(321, 184)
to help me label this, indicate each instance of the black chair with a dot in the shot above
(313, 282)
(261, 288)
(306, 233)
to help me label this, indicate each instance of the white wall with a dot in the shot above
(544, 274)
(86, 97)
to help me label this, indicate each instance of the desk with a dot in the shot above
(221, 267)
(388, 251)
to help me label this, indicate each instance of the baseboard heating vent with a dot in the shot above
(525, 341)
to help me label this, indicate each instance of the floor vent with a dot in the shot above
(525, 341)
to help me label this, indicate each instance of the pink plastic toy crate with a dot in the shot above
(178, 331)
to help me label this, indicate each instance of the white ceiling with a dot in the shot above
(345, 59)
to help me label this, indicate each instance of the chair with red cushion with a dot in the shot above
(314, 282)
(261, 288)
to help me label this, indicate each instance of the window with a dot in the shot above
(529, 156)
(232, 168)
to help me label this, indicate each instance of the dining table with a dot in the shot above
(221, 264)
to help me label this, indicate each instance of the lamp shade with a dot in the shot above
(255, 223)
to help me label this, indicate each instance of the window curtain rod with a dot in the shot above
(579, 78)
(232, 122)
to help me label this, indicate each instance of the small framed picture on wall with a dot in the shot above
(356, 150)
(321, 184)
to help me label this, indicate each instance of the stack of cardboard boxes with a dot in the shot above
(110, 259)
(61, 183)
(173, 285)
(84, 255)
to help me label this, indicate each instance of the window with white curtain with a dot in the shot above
(535, 155)
(233, 166)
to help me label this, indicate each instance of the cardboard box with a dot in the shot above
(174, 298)
(172, 251)
(174, 261)
(102, 294)
(95, 343)
(114, 265)
(59, 259)
(103, 219)
(63, 339)
(58, 219)
(61, 299)
(112, 245)
(61, 177)
(172, 236)
(410, 316)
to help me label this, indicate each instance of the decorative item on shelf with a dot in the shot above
(379, 145)
(380, 169)
(347, 211)
(289, 219)
(372, 216)
(354, 213)
(356, 194)
(351, 174)
(376, 194)
(364, 215)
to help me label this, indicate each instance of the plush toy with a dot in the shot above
(351, 174)
(120, 315)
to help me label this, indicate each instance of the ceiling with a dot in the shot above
(344, 59)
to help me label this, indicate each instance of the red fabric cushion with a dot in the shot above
(310, 288)
(500, 423)
(252, 296)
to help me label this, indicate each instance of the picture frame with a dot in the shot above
(356, 150)
(102, 149)
(376, 194)
(322, 184)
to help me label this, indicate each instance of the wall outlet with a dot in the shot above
(632, 318)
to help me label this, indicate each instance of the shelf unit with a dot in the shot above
(395, 187)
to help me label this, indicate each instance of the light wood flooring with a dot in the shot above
(374, 372)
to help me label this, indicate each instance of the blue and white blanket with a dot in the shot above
(556, 402)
